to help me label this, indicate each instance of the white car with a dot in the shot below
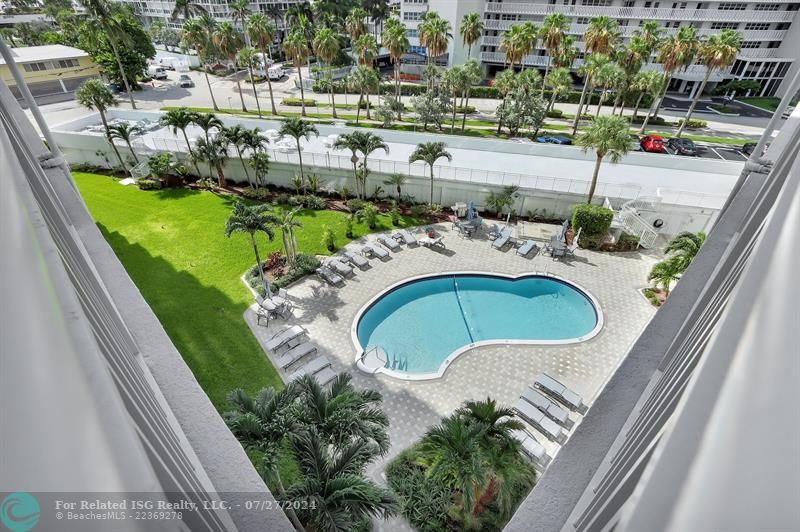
(156, 72)
(275, 73)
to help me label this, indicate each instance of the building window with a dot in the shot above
(732, 6)
(415, 1)
(674, 24)
(419, 50)
(724, 25)
(679, 5)
(509, 16)
(629, 3)
(412, 15)
(751, 44)
(596, 2)
(766, 7)
(582, 20)
(783, 26)
(759, 26)
(412, 33)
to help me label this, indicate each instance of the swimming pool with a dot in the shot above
(420, 326)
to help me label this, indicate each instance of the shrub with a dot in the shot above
(260, 194)
(694, 123)
(160, 164)
(206, 183)
(297, 102)
(652, 296)
(460, 109)
(555, 113)
(395, 215)
(328, 238)
(657, 121)
(315, 203)
(302, 266)
(424, 502)
(406, 200)
(355, 204)
(275, 261)
(148, 184)
(296, 200)
(595, 221)
(282, 199)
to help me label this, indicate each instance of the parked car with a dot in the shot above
(553, 139)
(652, 144)
(275, 73)
(636, 143)
(682, 147)
(185, 81)
(157, 72)
(114, 87)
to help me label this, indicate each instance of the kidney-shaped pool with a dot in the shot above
(415, 329)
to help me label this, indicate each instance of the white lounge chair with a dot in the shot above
(296, 353)
(559, 392)
(526, 247)
(503, 239)
(355, 259)
(406, 236)
(315, 366)
(325, 376)
(389, 242)
(532, 448)
(570, 250)
(534, 416)
(330, 276)
(429, 242)
(548, 407)
(340, 267)
(283, 337)
(375, 250)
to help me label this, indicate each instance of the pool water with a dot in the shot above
(421, 323)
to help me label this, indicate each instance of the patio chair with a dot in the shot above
(355, 259)
(504, 238)
(526, 247)
(531, 447)
(548, 407)
(557, 249)
(374, 250)
(330, 276)
(267, 308)
(389, 242)
(570, 250)
(406, 236)
(429, 242)
(549, 428)
(494, 232)
(315, 366)
(284, 337)
(340, 267)
(559, 392)
(295, 353)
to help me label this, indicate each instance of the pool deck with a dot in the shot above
(500, 372)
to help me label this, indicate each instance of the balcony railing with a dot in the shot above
(643, 13)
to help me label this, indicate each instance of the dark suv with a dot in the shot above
(682, 147)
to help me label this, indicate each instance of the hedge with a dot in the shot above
(297, 102)
(595, 222)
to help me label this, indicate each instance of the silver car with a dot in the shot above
(185, 81)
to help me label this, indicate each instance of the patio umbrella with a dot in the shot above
(470, 210)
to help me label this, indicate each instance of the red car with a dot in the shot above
(653, 143)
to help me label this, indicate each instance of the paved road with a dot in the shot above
(746, 111)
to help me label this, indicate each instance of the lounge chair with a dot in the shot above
(355, 259)
(330, 276)
(494, 232)
(551, 430)
(570, 250)
(374, 250)
(429, 242)
(296, 353)
(559, 392)
(548, 407)
(315, 366)
(557, 249)
(532, 448)
(406, 236)
(389, 242)
(526, 247)
(283, 337)
(340, 267)
(503, 239)
(325, 376)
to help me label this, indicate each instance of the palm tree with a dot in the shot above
(395, 40)
(590, 67)
(610, 76)
(512, 42)
(553, 30)
(684, 248)
(93, 94)
(332, 483)
(252, 219)
(505, 81)
(249, 58)
(675, 53)
(326, 46)
(631, 60)
(261, 30)
(296, 48)
(197, 34)
(559, 82)
(180, 119)
(227, 40)
(472, 76)
(650, 33)
(529, 36)
(566, 54)
(364, 142)
(239, 11)
(664, 273)
(433, 33)
(125, 133)
(471, 30)
(429, 153)
(215, 153)
(287, 223)
(607, 136)
(354, 23)
(238, 137)
(397, 181)
(717, 53)
(656, 83)
(187, 9)
(297, 128)
(600, 39)
(453, 81)
(207, 122)
(647, 82)
(364, 79)
(366, 49)
(102, 14)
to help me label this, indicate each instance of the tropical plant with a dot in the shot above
(252, 219)
(354, 23)
(664, 273)
(609, 76)
(328, 238)
(429, 153)
(249, 58)
(650, 32)
(237, 136)
(566, 53)
(499, 202)
(395, 40)
(455, 82)
(125, 132)
(471, 30)
(523, 107)
(472, 75)
(160, 164)
(297, 50)
(179, 119)
(197, 33)
(260, 163)
(261, 30)
(716, 53)
(434, 31)
(239, 11)
(228, 42)
(397, 181)
(684, 247)
(93, 94)
(364, 80)
(326, 46)
(505, 81)
(287, 223)
(215, 153)
(559, 82)
(207, 122)
(431, 107)
(368, 213)
(608, 137)
(511, 43)
(590, 67)
(675, 53)
(601, 36)
(366, 49)
(297, 128)
(187, 9)
(647, 82)
(554, 28)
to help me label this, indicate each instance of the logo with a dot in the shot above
(19, 511)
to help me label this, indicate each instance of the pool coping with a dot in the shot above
(455, 354)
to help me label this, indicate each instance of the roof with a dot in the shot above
(28, 54)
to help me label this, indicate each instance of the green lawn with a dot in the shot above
(173, 246)
(768, 104)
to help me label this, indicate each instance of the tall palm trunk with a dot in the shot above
(258, 265)
(111, 141)
(294, 243)
(241, 160)
(286, 246)
(431, 202)
(302, 92)
(466, 105)
(330, 83)
(358, 106)
(369, 116)
(662, 96)
(255, 93)
(269, 81)
(191, 152)
(113, 43)
(594, 176)
(130, 148)
(239, 86)
(696, 98)
(600, 103)
(213, 100)
(646, 118)
(455, 105)
(397, 95)
(221, 176)
(552, 101)
(586, 83)
(300, 158)
(546, 72)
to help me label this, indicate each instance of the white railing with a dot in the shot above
(336, 73)
(759, 53)
(636, 226)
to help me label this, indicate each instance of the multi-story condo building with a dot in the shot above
(770, 32)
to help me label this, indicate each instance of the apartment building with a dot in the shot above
(770, 32)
